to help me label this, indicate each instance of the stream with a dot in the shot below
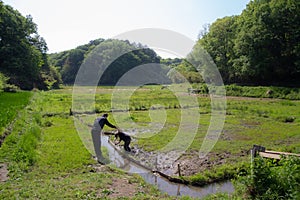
(173, 189)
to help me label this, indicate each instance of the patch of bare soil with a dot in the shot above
(121, 187)
(125, 186)
(3, 172)
(189, 164)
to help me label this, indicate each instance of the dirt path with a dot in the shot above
(3, 172)
(121, 187)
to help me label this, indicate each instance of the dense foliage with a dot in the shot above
(3, 80)
(68, 62)
(260, 46)
(128, 55)
(23, 57)
(273, 180)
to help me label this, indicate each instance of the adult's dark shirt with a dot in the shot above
(103, 121)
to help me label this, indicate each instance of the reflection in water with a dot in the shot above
(173, 189)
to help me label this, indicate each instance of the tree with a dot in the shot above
(100, 52)
(22, 51)
(260, 46)
(218, 42)
(267, 42)
(132, 56)
(71, 65)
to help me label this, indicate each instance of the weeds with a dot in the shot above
(273, 180)
(10, 104)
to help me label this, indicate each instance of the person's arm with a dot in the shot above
(109, 124)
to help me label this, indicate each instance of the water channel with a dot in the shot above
(173, 189)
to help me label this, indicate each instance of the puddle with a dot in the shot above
(173, 189)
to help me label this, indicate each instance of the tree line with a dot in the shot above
(23, 53)
(128, 55)
(258, 47)
(261, 46)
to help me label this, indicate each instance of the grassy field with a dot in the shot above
(47, 159)
(10, 104)
(269, 122)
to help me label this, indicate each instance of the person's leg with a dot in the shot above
(97, 144)
(126, 145)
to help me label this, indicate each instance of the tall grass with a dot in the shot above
(47, 159)
(10, 104)
(272, 180)
(19, 146)
(254, 91)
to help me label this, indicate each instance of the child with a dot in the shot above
(126, 138)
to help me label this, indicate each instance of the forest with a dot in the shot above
(23, 53)
(258, 47)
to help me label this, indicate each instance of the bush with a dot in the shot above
(274, 180)
(3, 80)
(11, 88)
(263, 92)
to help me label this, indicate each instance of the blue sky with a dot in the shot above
(65, 24)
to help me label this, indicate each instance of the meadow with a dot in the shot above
(153, 115)
(10, 104)
(47, 158)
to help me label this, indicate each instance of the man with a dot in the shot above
(126, 138)
(96, 135)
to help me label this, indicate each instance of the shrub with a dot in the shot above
(11, 88)
(3, 80)
(274, 180)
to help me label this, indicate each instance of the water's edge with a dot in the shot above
(173, 189)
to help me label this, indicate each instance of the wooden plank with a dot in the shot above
(269, 155)
(283, 153)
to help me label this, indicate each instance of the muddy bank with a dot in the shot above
(173, 185)
(189, 163)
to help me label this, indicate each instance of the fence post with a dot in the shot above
(179, 172)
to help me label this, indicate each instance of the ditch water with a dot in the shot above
(173, 189)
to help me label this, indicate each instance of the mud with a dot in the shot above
(189, 163)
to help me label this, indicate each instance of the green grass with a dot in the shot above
(19, 146)
(47, 154)
(273, 123)
(47, 159)
(10, 104)
(256, 91)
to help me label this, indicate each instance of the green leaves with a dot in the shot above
(22, 51)
(272, 180)
(260, 46)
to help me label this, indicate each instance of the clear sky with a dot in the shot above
(66, 24)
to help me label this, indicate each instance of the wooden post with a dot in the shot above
(179, 172)
(252, 152)
(178, 190)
